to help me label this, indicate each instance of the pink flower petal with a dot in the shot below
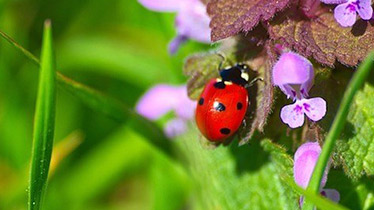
(365, 10)
(193, 21)
(331, 194)
(175, 127)
(309, 146)
(176, 43)
(293, 115)
(162, 5)
(334, 1)
(314, 108)
(345, 14)
(293, 69)
(305, 160)
(185, 108)
(161, 99)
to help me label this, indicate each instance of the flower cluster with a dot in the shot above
(192, 21)
(294, 75)
(161, 99)
(346, 12)
(305, 160)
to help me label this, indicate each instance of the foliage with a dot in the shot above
(324, 39)
(234, 16)
(109, 53)
(235, 177)
(355, 150)
(44, 122)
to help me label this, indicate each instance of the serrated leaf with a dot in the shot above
(356, 150)
(236, 177)
(323, 38)
(279, 156)
(200, 68)
(284, 165)
(353, 194)
(229, 17)
(44, 122)
(261, 105)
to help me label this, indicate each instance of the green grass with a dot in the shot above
(107, 55)
(44, 122)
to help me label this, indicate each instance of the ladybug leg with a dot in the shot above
(251, 83)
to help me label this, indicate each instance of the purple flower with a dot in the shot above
(293, 114)
(345, 13)
(305, 160)
(161, 99)
(192, 21)
(294, 75)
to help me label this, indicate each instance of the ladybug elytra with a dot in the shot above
(223, 104)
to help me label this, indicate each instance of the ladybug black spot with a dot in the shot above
(239, 106)
(225, 131)
(201, 101)
(219, 85)
(219, 106)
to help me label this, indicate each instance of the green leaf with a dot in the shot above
(233, 177)
(356, 150)
(353, 194)
(279, 156)
(44, 122)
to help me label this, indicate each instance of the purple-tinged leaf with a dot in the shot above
(229, 17)
(312, 8)
(323, 38)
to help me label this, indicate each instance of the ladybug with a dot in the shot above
(223, 104)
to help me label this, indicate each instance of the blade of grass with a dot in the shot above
(356, 83)
(103, 103)
(44, 122)
(64, 148)
(28, 54)
(117, 111)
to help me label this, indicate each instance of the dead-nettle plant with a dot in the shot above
(309, 50)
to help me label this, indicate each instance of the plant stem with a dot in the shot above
(356, 83)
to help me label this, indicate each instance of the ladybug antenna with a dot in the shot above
(224, 59)
(220, 65)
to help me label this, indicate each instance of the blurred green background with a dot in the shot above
(117, 47)
(120, 48)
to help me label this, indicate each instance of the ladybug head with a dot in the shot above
(237, 74)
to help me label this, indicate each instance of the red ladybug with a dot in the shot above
(222, 104)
